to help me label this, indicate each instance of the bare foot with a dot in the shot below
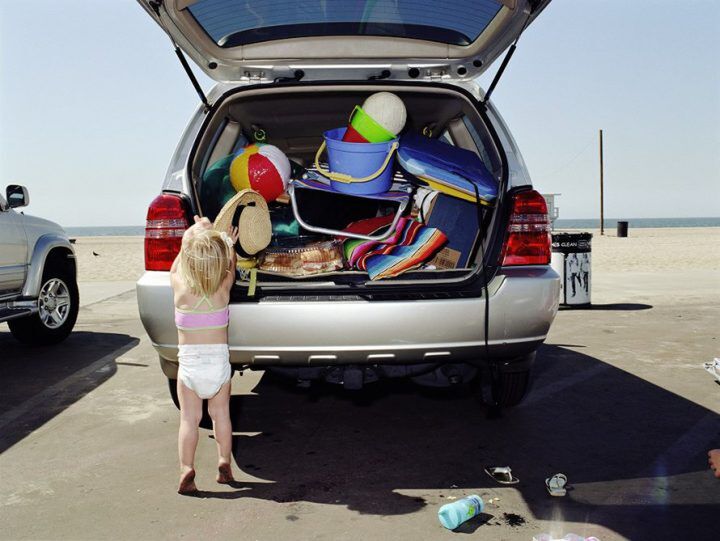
(187, 483)
(225, 475)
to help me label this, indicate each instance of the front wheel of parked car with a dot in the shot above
(206, 421)
(58, 304)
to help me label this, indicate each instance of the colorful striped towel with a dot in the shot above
(407, 248)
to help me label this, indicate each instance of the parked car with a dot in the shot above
(38, 283)
(288, 73)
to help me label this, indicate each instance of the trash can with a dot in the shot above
(622, 229)
(571, 260)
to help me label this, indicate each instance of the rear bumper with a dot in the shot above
(523, 304)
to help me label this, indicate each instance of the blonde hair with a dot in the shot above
(204, 260)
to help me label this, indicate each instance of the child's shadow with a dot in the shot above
(240, 489)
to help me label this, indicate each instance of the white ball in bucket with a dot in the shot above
(387, 110)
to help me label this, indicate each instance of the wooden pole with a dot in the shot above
(602, 209)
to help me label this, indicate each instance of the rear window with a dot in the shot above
(231, 23)
(488, 158)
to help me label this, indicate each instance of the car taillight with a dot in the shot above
(527, 241)
(166, 222)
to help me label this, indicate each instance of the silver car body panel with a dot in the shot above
(176, 178)
(13, 251)
(328, 57)
(28, 240)
(517, 170)
(523, 303)
(42, 246)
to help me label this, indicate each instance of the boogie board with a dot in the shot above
(446, 168)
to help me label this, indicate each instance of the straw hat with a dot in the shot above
(248, 211)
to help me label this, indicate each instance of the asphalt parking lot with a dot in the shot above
(620, 404)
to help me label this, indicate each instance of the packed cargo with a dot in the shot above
(390, 194)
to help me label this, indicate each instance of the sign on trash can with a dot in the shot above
(571, 260)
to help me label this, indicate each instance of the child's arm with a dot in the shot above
(175, 263)
(233, 235)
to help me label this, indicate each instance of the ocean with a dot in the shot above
(610, 223)
(642, 223)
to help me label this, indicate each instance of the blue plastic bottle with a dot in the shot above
(453, 514)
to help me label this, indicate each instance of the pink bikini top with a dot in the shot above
(200, 320)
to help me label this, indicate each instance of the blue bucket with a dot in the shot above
(359, 160)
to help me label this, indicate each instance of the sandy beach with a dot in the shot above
(661, 250)
(656, 250)
(117, 259)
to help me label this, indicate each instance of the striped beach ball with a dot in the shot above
(261, 167)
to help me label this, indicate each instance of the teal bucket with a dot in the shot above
(359, 160)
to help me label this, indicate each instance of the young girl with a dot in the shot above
(202, 276)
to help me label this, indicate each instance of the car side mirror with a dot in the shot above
(17, 196)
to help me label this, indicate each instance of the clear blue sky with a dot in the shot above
(93, 101)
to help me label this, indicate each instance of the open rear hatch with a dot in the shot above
(414, 46)
(235, 40)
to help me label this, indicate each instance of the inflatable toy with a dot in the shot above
(260, 167)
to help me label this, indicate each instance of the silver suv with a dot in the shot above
(288, 71)
(38, 284)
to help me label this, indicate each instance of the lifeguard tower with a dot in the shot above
(553, 211)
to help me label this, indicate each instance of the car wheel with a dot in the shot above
(206, 421)
(513, 387)
(58, 304)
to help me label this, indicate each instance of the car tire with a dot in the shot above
(206, 420)
(513, 387)
(58, 305)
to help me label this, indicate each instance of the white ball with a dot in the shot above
(387, 110)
